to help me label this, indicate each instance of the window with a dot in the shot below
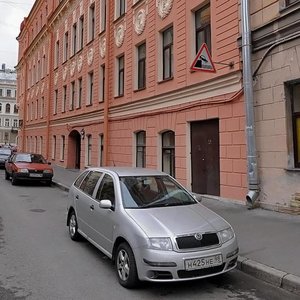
(89, 150)
(168, 53)
(121, 76)
(102, 83)
(35, 144)
(296, 122)
(64, 103)
(81, 32)
(168, 152)
(92, 22)
(66, 46)
(79, 98)
(101, 150)
(56, 54)
(102, 15)
(15, 123)
(89, 183)
(202, 24)
(120, 8)
(36, 109)
(91, 87)
(54, 147)
(42, 107)
(63, 146)
(71, 107)
(74, 38)
(1, 93)
(106, 190)
(6, 122)
(55, 102)
(141, 149)
(15, 109)
(289, 2)
(7, 108)
(8, 93)
(41, 145)
(141, 66)
(0, 107)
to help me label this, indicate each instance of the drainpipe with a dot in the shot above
(253, 181)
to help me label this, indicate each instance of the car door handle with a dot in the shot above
(77, 197)
(92, 207)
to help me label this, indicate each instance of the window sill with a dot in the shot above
(118, 96)
(165, 80)
(119, 18)
(89, 104)
(136, 3)
(140, 89)
(90, 42)
(292, 170)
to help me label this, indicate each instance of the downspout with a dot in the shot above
(253, 181)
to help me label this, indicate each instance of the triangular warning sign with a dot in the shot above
(203, 61)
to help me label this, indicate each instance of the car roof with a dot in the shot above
(129, 171)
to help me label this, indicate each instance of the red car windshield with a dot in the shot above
(30, 158)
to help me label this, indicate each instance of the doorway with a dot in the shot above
(205, 157)
(74, 150)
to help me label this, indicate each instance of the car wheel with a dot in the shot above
(14, 180)
(126, 266)
(7, 175)
(73, 227)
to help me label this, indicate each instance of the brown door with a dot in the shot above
(205, 157)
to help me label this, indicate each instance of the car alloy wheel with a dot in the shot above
(73, 227)
(126, 267)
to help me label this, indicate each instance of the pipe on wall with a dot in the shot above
(253, 180)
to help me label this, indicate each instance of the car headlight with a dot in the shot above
(48, 171)
(226, 235)
(23, 171)
(161, 244)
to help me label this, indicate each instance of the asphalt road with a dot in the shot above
(39, 261)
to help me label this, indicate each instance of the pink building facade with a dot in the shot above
(110, 83)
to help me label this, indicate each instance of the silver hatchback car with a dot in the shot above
(151, 227)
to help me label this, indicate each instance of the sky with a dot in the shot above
(12, 14)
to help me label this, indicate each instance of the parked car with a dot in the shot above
(28, 166)
(151, 227)
(4, 155)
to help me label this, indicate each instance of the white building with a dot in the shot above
(9, 118)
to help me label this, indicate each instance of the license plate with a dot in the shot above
(35, 175)
(203, 262)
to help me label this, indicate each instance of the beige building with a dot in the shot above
(276, 69)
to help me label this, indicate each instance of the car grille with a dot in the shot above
(36, 171)
(201, 272)
(189, 242)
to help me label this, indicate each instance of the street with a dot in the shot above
(39, 261)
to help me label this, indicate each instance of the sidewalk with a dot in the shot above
(269, 242)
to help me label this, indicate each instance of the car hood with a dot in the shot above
(177, 220)
(33, 166)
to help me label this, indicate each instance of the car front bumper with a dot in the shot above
(169, 266)
(28, 176)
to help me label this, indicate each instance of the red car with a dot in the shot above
(28, 166)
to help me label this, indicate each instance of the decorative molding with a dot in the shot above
(55, 78)
(119, 35)
(140, 21)
(164, 7)
(79, 63)
(43, 87)
(65, 71)
(37, 90)
(90, 56)
(102, 47)
(74, 16)
(72, 68)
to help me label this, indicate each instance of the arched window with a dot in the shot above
(168, 152)
(141, 149)
(15, 109)
(7, 108)
(0, 107)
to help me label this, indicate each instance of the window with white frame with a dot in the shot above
(168, 152)
(15, 109)
(141, 66)
(119, 8)
(202, 27)
(63, 146)
(54, 147)
(120, 65)
(101, 150)
(15, 123)
(79, 98)
(102, 15)
(74, 38)
(90, 88)
(91, 27)
(0, 107)
(141, 149)
(89, 150)
(6, 123)
(66, 46)
(1, 92)
(7, 108)
(64, 102)
(167, 43)
(102, 82)
(8, 93)
(81, 32)
(72, 97)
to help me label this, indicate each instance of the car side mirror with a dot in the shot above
(105, 204)
(197, 197)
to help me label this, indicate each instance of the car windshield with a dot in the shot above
(153, 191)
(5, 152)
(31, 158)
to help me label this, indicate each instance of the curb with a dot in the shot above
(280, 279)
